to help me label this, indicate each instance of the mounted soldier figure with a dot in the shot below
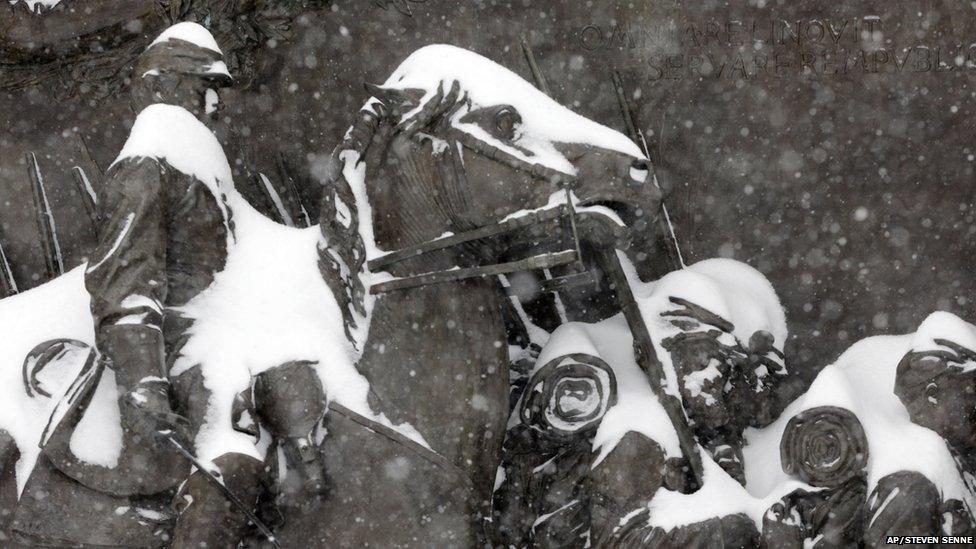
(166, 231)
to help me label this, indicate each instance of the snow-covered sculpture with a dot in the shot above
(165, 234)
(872, 467)
(599, 483)
(452, 163)
(358, 369)
(541, 496)
(392, 303)
(936, 381)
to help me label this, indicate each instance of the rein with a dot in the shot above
(539, 261)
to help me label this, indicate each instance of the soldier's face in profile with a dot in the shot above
(199, 96)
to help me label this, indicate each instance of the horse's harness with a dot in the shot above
(573, 253)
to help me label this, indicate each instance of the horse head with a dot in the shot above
(456, 170)
(453, 142)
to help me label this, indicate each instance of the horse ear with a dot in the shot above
(399, 101)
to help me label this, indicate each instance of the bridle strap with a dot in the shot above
(541, 261)
(533, 218)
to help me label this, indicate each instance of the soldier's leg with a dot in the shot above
(206, 517)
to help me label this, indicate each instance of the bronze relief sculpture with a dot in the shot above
(389, 385)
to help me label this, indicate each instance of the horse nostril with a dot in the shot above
(639, 170)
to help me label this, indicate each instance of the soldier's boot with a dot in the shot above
(207, 519)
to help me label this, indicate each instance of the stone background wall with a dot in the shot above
(828, 145)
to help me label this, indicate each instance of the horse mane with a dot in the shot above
(342, 250)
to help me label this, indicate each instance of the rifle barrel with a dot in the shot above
(647, 360)
(269, 191)
(665, 227)
(291, 189)
(87, 194)
(94, 171)
(540, 79)
(8, 286)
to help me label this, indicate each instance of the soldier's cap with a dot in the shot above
(184, 48)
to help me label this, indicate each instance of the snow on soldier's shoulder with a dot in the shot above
(941, 327)
(172, 133)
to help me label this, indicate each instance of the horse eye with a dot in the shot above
(506, 120)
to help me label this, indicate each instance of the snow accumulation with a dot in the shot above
(739, 294)
(943, 325)
(637, 409)
(57, 309)
(862, 381)
(544, 121)
(270, 305)
(486, 83)
(720, 495)
(195, 34)
(731, 289)
(559, 198)
(188, 31)
(174, 134)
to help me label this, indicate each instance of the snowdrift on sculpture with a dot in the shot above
(862, 380)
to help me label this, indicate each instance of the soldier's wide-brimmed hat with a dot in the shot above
(184, 48)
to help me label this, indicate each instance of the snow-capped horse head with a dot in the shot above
(452, 142)
(456, 170)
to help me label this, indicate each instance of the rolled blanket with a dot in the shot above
(568, 395)
(824, 446)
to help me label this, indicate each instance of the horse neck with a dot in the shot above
(404, 194)
(415, 199)
(433, 348)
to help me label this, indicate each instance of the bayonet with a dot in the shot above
(540, 79)
(291, 189)
(53, 260)
(88, 198)
(269, 190)
(8, 285)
